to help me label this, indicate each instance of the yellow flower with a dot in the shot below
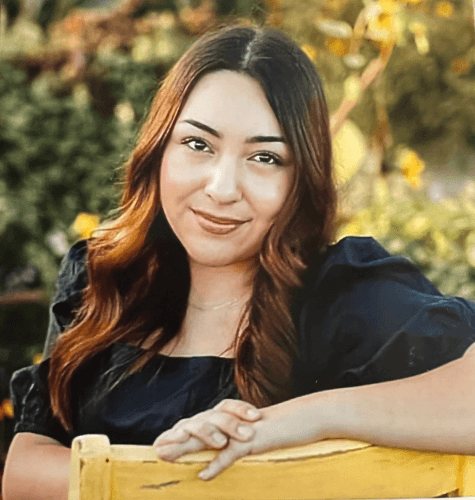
(460, 66)
(412, 167)
(444, 9)
(85, 224)
(37, 358)
(310, 51)
(385, 21)
(388, 6)
(7, 408)
(337, 45)
(381, 28)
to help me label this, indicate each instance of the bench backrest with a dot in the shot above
(324, 470)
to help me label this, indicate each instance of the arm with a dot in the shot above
(432, 411)
(401, 368)
(37, 465)
(37, 468)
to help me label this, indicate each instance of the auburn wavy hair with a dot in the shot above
(138, 274)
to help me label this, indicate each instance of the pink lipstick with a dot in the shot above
(217, 225)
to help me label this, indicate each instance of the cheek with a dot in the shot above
(268, 195)
(175, 178)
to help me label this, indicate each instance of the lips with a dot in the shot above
(217, 225)
(219, 220)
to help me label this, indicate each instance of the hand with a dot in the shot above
(210, 429)
(291, 423)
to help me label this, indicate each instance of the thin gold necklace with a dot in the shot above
(209, 307)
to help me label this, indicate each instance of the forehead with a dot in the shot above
(228, 100)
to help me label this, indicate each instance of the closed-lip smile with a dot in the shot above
(219, 220)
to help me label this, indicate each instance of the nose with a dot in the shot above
(223, 184)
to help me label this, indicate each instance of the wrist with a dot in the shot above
(322, 415)
(303, 420)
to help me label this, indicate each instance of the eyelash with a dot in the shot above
(276, 159)
(195, 139)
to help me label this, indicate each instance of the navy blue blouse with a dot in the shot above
(362, 316)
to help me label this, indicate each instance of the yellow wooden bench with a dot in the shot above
(328, 469)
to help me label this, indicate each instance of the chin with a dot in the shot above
(217, 260)
(214, 256)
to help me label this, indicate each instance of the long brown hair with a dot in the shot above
(138, 274)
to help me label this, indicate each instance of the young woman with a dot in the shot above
(218, 290)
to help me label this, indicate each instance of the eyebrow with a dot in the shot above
(250, 140)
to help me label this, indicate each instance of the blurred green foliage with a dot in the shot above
(427, 87)
(60, 157)
(61, 148)
(439, 237)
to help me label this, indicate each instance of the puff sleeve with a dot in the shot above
(365, 316)
(71, 281)
(29, 385)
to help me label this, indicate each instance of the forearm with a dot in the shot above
(36, 471)
(432, 411)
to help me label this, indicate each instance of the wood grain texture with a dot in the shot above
(328, 469)
(468, 476)
(320, 448)
(90, 468)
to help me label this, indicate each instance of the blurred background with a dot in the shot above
(76, 77)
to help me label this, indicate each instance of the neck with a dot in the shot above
(212, 286)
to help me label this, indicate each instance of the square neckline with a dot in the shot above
(166, 356)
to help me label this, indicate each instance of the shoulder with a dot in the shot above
(360, 252)
(72, 271)
(359, 259)
(70, 283)
(75, 258)
(364, 316)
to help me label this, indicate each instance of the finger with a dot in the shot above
(231, 426)
(241, 409)
(172, 436)
(224, 460)
(172, 451)
(205, 430)
(208, 432)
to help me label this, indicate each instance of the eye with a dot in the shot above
(196, 144)
(269, 158)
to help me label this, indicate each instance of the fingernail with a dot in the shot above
(219, 438)
(253, 413)
(205, 474)
(245, 431)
